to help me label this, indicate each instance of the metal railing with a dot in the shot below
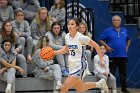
(87, 16)
(130, 7)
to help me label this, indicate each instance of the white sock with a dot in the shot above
(8, 88)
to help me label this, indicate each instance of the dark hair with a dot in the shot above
(18, 11)
(6, 40)
(56, 23)
(3, 32)
(74, 19)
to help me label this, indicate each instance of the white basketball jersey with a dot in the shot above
(76, 52)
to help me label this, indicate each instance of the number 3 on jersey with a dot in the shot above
(72, 52)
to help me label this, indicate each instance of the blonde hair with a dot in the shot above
(39, 21)
(42, 42)
(85, 25)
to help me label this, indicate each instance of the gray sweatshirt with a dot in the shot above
(19, 4)
(59, 14)
(56, 42)
(38, 62)
(6, 14)
(8, 57)
(36, 31)
(22, 27)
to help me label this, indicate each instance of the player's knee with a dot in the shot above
(64, 88)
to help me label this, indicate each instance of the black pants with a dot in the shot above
(119, 62)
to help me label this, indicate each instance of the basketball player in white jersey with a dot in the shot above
(75, 43)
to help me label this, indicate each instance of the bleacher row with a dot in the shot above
(36, 85)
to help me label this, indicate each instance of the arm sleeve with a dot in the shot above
(33, 28)
(11, 13)
(18, 43)
(51, 38)
(84, 40)
(61, 14)
(38, 60)
(1, 54)
(36, 3)
(27, 29)
(14, 26)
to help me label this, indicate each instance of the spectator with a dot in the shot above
(8, 33)
(40, 25)
(117, 42)
(84, 30)
(58, 12)
(6, 12)
(103, 72)
(57, 41)
(8, 66)
(27, 6)
(45, 69)
(21, 27)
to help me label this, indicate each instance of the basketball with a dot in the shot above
(47, 53)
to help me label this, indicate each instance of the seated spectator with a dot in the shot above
(30, 14)
(58, 12)
(45, 69)
(57, 41)
(103, 72)
(40, 25)
(84, 30)
(8, 33)
(8, 65)
(21, 27)
(6, 12)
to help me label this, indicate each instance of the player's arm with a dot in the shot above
(64, 50)
(85, 40)
(97, 48)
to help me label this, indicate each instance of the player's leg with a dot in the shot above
(69, 82)
(81, 86)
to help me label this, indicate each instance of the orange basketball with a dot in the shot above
(47, 53)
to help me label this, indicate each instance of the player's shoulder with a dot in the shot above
(67, 35)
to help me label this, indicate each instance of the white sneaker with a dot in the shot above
(58, 85)
(8, 88)
(103, 85)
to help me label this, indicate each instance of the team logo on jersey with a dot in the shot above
(73, 47)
